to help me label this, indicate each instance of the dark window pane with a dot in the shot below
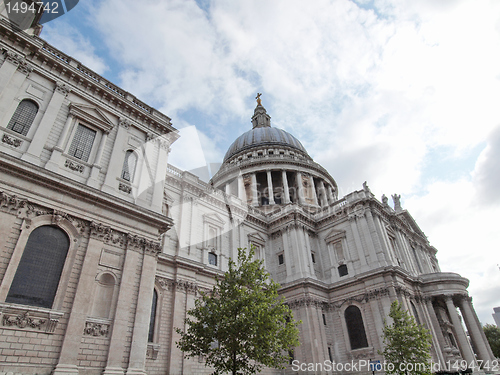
(23, 117)
(40, 268)
(343, 270)
(153, 317)
(82, 143)
(212, 259)
(129, 164)
(355, 328)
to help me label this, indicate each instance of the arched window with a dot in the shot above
(23, 117)
(129, 165)
(153, 317)
(355, 328)
(37, 277)
(415, 313)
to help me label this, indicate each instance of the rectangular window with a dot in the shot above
(281, 259)
(313, 258)
(82, 143)
(324, 319)
(212, 259)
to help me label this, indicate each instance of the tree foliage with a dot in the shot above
(492, 333)
(242, 325)
(407, 344)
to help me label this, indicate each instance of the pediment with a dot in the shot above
(335, 235)
(91, 115)
(214, 218)
(256, 237)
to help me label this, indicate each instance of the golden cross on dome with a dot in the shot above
(259, 102)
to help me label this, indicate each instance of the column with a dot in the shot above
(357, 241)
(475, 331)
(53, 163)
(96, 167)
(324, 198)
(255, 198)
(10, 81)
(313, 187)
(287, 254)
(330, 194)
(119, 333)
(68, 360)
(116, 160)
(139, 344)
(227, 188)
(436, 332)
(463, 343)
(286, 190)
(161, 170)
(241, 189)
(35, 149)
(298, 178)
(270, 187)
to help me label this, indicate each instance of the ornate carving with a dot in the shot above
(186, 286)
(24, 320)
(152, 247)
(125, 188)
(100, 231)
(62, 88)
(306, 301)
(11, 141)
(96, 329)
(74, 166)
(124, 122)
(14, 58)
(24, 67)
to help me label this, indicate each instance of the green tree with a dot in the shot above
(407, 344)
(492, 333)
(242, 325)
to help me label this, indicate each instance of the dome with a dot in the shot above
(263, 136)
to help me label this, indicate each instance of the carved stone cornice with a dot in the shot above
(306, 302)
(180, 285)
(360, 298)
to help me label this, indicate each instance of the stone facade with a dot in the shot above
(84, 173)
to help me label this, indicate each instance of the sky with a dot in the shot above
(402, 94)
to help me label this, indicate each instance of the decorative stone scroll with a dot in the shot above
(96, 328)
(11, 141)
(35, 321)
(74, 166)
(125, 188)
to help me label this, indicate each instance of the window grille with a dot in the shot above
(37, 277)
(129, 165)
(23, 117)
(82, 143)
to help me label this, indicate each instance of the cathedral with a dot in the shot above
(105, 246)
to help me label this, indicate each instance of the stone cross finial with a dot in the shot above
(259, 101)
